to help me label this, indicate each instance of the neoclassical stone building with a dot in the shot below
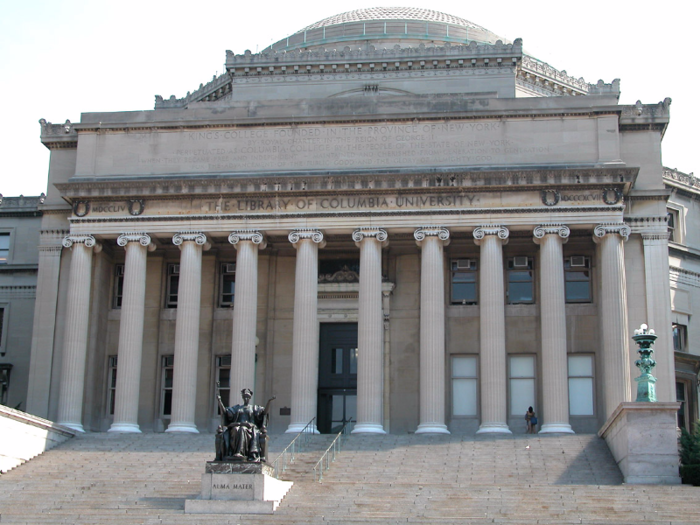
(391, 215)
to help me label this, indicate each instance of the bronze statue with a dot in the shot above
(242, 434)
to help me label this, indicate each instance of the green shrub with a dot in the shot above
(690, 456)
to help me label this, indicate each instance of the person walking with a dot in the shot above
(531, 421)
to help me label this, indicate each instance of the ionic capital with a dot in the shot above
(142, 238)
(482, 231)
(253, 236)
(551, 229)
(199, 238)
(440, 232)
(88, 240)
(619, 228)
(367, 233)
(307, 234)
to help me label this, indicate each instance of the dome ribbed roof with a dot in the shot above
(392, 13)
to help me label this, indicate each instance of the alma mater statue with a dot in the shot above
(242, 434)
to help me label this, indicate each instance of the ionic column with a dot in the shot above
(126, 403)
(370, 359)
(431, 240)
(492, 359)
(305, 329)
(613, 305)
(245, 308)
(555, 387)
(70, 396)
(659, 312)
(187, 330)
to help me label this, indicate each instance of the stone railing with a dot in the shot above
(25, 436)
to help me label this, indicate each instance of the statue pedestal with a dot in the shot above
(238, 488)
(643, 440)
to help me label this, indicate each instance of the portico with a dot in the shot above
(479, 231)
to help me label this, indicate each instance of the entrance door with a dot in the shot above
(337, 377)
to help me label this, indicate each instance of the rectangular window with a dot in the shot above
(522, 384)
(680, 337)
(464, 281)
(111, 383)
(673, 222)
(682, 398)
(166, 400)
(223, 377)
(581, 385)
(228, 285)
(3, 328)
(520, 281)
(577, 279)
(4, 248)
(173, 280)
(5, 369)
(118, 286)
(464, 386)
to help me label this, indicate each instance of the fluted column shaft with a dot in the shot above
(659, 312)
(187, 332)
(615, 332)
(370, 328)
(305, 344)
(245, 309)
(432, 330)
(555, 387)
(492, 360)
(126, 404)
(70, 397)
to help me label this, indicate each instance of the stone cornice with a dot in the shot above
(511, 179)
(58, 136)
(643, 117)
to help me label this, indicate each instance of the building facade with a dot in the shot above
(391, 216)
(20, 221)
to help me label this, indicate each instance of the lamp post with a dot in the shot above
(646, 389)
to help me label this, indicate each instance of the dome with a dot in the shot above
(386, 26)
(393, 13)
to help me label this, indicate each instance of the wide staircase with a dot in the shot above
(144, 479)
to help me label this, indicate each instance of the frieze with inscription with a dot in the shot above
(347, 203)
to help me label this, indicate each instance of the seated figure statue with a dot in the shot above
(242, 434)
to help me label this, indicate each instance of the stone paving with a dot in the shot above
(144, 479)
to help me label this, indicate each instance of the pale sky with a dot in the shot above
(59, 58)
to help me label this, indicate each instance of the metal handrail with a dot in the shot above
(336, 446)
(294, 446)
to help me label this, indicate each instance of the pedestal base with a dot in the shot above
(642, 438)
(238, 488)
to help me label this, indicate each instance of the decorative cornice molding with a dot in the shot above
(621, 229)
(659, 236)
(378, 233)
(142, 238)
(88, 240)
(561, 230)
(482, 231)
(254, 236)
(311, 234)
(17, 291)
(442, 233)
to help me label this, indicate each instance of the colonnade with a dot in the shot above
(305, 345)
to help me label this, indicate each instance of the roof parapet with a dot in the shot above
(55, 136)
(687, 179)
(646, 116)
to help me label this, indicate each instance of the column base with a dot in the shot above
(368, 428)
(556, 428)
(73, 426)
(125, 427)
(493, 428)
(295, 428)
(432, 428)
(182, 427)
